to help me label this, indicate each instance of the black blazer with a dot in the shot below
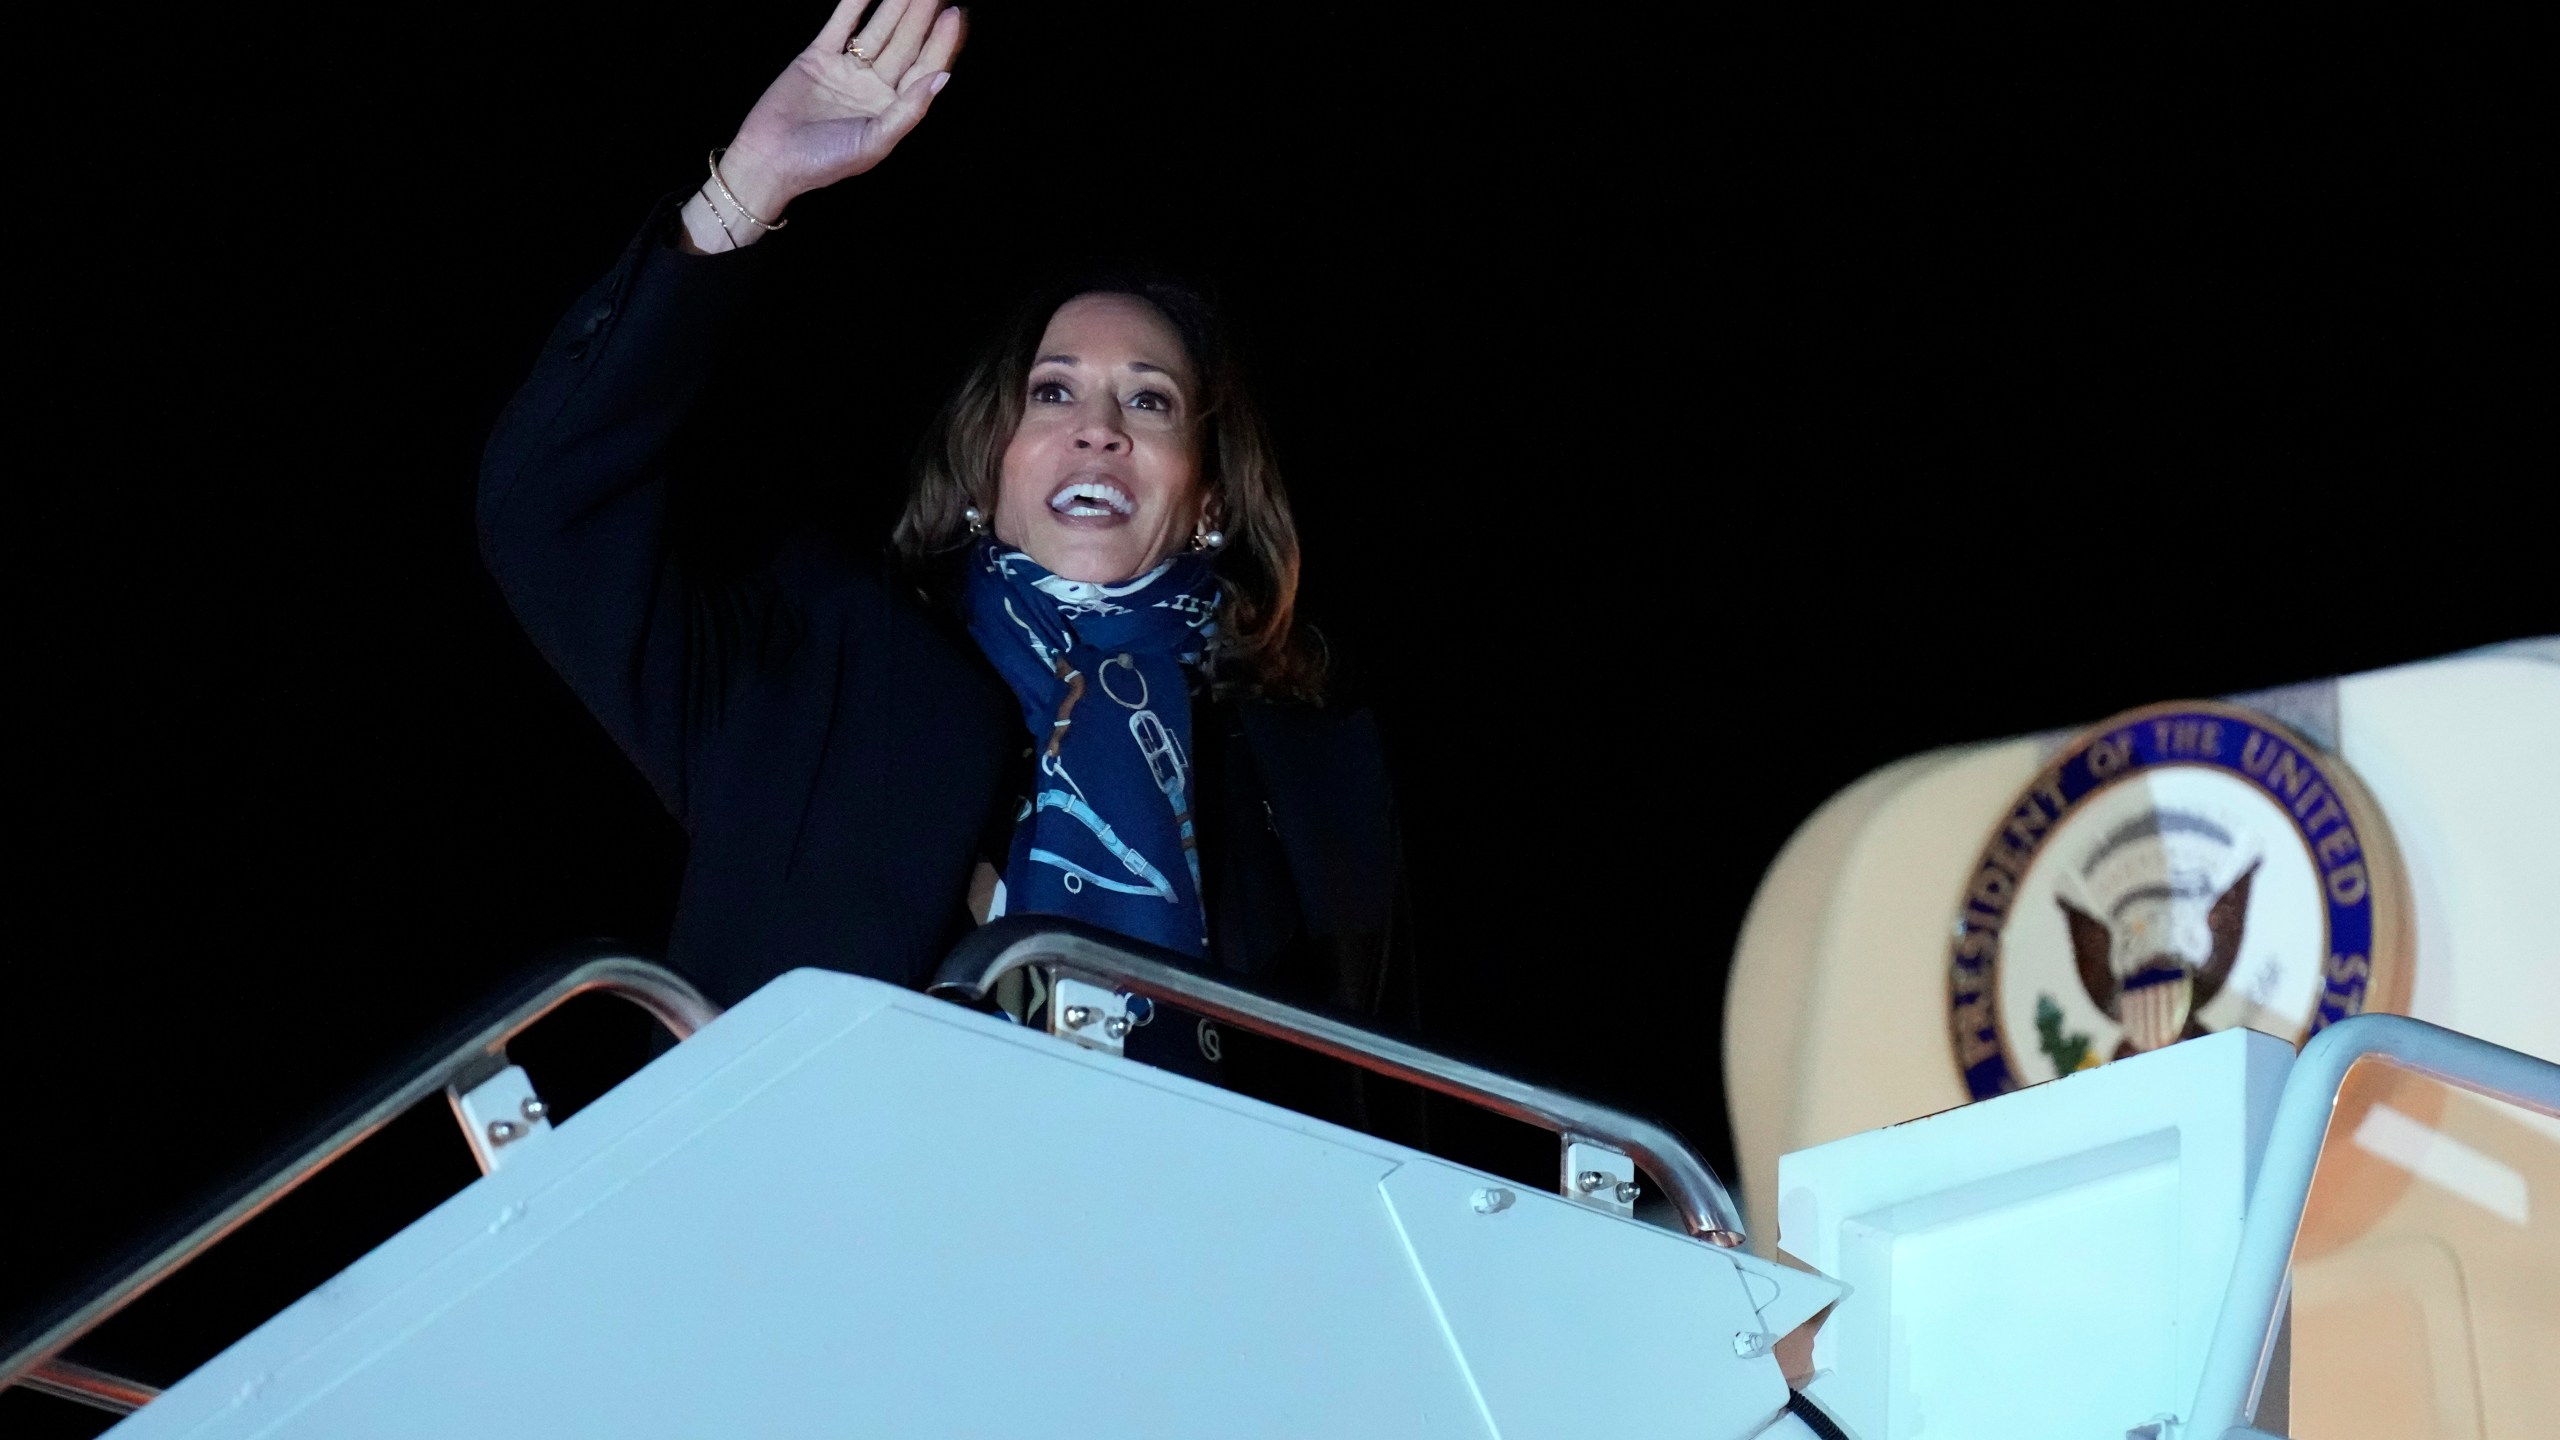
(832, 749)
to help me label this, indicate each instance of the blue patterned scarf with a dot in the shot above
(1101, 673)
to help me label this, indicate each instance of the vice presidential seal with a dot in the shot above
(2178, 870)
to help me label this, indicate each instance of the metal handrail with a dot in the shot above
(1015, 942)
(64, 1380)
(2235, 1363)
(35, 1362)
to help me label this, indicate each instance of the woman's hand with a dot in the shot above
(837, 110)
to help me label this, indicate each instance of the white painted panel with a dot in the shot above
(2042, 1265)
(2068, 1278)
(1553, 1306)
(844, 1209)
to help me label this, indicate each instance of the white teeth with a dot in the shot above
(1091, 500)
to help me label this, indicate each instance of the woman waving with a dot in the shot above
(1074, 687)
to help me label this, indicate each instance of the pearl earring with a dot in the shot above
(1204, 538)
(977, 519)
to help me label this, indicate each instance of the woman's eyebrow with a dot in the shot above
(1144, 367)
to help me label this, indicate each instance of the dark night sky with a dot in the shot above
(1683, 421)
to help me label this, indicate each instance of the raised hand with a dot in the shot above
(838, 109)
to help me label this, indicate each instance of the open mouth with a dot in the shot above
(1092, 500)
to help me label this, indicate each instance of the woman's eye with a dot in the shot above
(1151, 400)
(1049, 392)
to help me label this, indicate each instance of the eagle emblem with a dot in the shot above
(2139, 964)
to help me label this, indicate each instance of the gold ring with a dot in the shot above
(857, 52)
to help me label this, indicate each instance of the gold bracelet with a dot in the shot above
(714, 207)
(743, 212)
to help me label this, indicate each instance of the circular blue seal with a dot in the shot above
(2177, 870)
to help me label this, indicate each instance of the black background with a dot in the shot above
(1684, 416)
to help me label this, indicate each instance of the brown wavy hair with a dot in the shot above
(1258, 651)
